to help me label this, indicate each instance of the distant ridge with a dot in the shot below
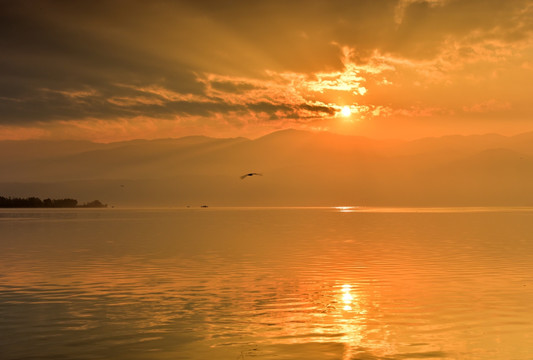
(304, 168)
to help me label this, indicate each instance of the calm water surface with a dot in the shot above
(266, 284)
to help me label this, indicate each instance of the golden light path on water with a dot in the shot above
(347, 298)
(352, 332)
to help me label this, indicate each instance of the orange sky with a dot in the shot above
(124, 69)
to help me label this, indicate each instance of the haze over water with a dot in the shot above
(266, 283)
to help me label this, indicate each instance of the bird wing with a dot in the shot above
(250, 174)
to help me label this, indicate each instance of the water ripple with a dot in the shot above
(311, 285)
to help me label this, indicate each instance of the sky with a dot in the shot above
(110, 70)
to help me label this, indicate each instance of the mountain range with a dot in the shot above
(299, 168)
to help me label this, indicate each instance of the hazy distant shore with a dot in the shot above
(35, 202)
(299, 169)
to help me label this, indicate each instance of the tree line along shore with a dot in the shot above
(35, 202)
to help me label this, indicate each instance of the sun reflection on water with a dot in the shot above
(347, 297)
(350, 324)
(346, 209)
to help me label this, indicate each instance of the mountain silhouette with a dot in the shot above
(304, 168)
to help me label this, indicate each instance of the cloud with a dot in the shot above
(403, 5)
(21, 133)
(260, 64)
(491, 105)
(232, 87)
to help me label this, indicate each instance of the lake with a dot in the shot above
(266, 283)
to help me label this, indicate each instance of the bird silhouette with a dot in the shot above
(250, 174)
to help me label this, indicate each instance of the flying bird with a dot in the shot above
(250, 174)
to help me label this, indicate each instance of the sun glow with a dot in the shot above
(346, 111)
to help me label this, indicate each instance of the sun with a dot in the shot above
(346, 111)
